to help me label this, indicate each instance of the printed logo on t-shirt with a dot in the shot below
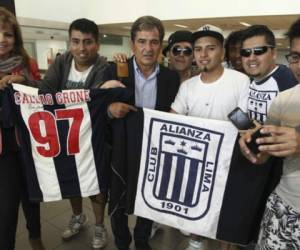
(77, 79)
(74, 85)
(259, 102)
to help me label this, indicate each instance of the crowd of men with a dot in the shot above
(251, 80)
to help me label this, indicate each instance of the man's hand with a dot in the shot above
(119, 109)
(120, 58)
(9, 79)
(284, 141)
(259, 158)
(112, 84)
(251, 130)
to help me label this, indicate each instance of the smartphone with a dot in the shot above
(122, 70)
(241, 121)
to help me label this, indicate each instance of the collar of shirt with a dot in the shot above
(145, 89)
(140, 74)
(261, 81)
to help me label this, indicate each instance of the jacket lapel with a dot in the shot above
(160, 89)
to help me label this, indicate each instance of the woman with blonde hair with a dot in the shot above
(15, 66)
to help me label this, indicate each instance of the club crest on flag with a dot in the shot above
(180, 168)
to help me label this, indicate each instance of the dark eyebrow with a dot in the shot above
(207, 46)
(294, 52)
(211, 45)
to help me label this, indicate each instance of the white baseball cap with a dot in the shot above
(208, 30)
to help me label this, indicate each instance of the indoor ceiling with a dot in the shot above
(41, 29)
(279, 25)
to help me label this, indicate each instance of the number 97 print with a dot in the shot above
(46, 121)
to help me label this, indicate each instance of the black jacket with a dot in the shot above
(167, 84)
(124, 165)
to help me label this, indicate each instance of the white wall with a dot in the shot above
(44, 47)
(110, 50)
(114, 11)
(125, 11)
(281, 57)
(54, 10)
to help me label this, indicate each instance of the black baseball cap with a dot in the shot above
(176, 37)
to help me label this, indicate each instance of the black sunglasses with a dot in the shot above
(177, 50)
(256, 50)
(293, 57)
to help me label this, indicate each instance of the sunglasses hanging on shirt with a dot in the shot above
(177, 50)
(256, 50)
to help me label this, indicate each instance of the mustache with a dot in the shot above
(148, 54)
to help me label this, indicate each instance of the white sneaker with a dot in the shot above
(155, 227)
(75, 224)
(100, 237)
(185, 233)
(195, 245)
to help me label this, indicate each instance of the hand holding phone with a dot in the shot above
(242, 122)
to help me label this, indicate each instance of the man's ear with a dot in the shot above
(132, 46)
(223, 54)
(274, 54)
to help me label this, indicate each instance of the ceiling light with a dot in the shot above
(245, 24)
(127, 27)
(280, 44)
(181, 26)
(104, 35)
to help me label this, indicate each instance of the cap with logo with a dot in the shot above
(208, 30)
(176, 37)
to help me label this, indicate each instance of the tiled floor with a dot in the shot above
(55, 217)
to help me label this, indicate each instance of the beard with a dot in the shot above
(254, 75)
(205, 69)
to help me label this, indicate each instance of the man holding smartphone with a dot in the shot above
(259, 61)
(282, 141)
(279, 228)
(268, 79)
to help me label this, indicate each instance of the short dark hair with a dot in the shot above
(85, 26)
(259, 30)
(235, 37)
(294, 31)
(147, 23)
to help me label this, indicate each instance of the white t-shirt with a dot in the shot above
(213, 100)
(76, 79)
(263, 92)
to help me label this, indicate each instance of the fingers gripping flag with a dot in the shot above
(183, 171)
